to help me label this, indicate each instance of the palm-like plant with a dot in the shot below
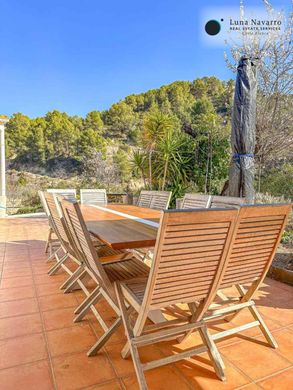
(171, 160)
(155, 126)
(138, 163)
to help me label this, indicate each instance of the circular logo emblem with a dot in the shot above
(212, 27)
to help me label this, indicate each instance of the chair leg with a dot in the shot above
(138, 369)
(48, 241)
(86, 305)
(76, 273)
(253, 310)
(213, 352)
(53, 254)
(103, 339)
(263, 327)
(87, 299)
(70, 285)
(129, 335)
(56, 267)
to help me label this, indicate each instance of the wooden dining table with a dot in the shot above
(122, 226)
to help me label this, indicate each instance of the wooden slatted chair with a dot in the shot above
(194, 201)
(256, 238)
(190, 253)
(144, 199)
(51, 243)
(105, 252)
(93, 196)
(158, 200)
(226, 202)
(104, 274)
(59, 228)
(69, 194)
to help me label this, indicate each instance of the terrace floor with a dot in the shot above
(41, 348)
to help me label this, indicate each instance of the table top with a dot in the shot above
(122, 226)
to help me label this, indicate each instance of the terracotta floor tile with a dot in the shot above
(16, 258)
(17, 282)
(10, 294)
(37, 256)
(11, 254)
(112, 385)
(281, 381)
(58, 319)
(78, 371)
(280, 315)
(45, 278)
(254, 358)
(201, 374)
(20, 350)
(40, 269)
(19, 307)
(124, 367)
(16, 272)
(250, 386)
(198, 370)
(33, 376)
(57, 301)
(284, 339)
(16, 265)
(162, 378)
(245, 317)
(70, 340)
(48, 289)
(271, 282)
(20, 325)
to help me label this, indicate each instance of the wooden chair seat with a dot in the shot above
(126, 269)
(135, 290)
(106, 251)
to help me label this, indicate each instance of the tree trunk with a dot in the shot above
(207, 168)
(165, 174)
(143, 178)
(150, 170)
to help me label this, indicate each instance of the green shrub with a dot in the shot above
(279, 181)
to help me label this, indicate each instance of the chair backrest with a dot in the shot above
(44, 203)
(73, 242)
(56, 218)
(194, 201)
(84, 243)
(226, 201)
(158, 200)
(190, 252)
(144, 199)
(93, 196)
(69, 194)
(256, 238)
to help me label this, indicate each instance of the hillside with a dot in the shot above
(36, 142)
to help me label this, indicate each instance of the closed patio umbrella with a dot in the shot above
(241, 175)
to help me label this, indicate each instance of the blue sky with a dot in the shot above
(78, 56)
